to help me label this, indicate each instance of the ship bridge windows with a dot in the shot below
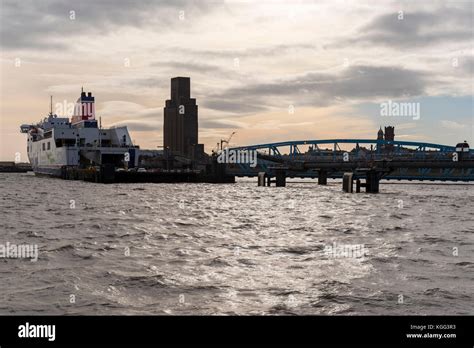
(44, 146)
(65, 142)
(49, 145)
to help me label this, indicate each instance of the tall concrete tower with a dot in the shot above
(180, 129)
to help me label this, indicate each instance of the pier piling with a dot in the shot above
(280, 177)
(347, 182)
(322, 177)
(261, 178)
(372, 182)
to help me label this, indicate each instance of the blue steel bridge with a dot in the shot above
(394, 160)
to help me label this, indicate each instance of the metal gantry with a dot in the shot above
(362, 149)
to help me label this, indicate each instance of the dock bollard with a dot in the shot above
(347, 183)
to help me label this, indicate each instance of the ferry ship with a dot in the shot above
(56, 143)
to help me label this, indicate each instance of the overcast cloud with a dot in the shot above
(248, 63)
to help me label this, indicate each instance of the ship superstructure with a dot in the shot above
(58, 142)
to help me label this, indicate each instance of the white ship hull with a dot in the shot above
(58, 142)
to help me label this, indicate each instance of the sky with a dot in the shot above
(268, 70)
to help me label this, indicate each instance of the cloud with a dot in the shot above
(221, 123)
(233, 107)
(114, 110)
(47, 24)
(452, 125)
(187, 66)
(420, 28)
(363, 83)
(139, 126)
(282, 61)
(405, 126)
(262, 50)
(467, 65)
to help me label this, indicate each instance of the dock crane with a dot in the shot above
(222, 141)
(226, 141)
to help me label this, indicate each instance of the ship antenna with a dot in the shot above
(51, 106)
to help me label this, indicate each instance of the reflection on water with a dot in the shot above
(243, 249)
